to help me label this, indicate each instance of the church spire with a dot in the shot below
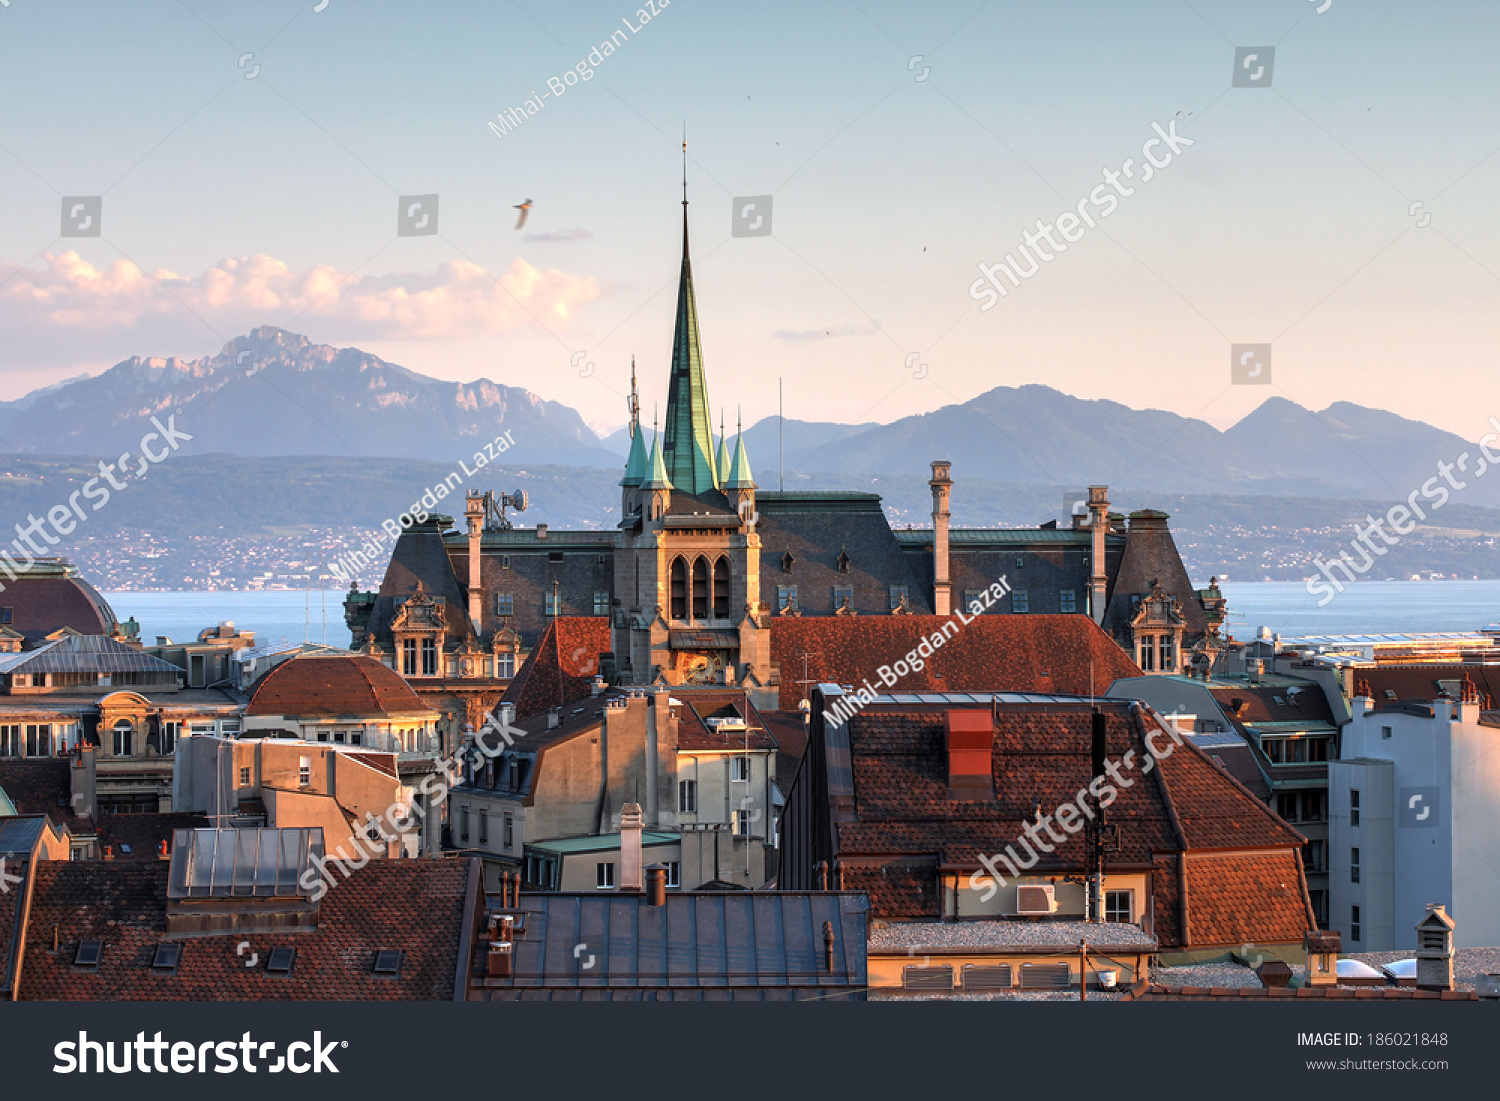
(635, 463)
(688, 437)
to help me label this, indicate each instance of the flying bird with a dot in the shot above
(524, 208)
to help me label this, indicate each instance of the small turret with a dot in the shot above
(657, 487)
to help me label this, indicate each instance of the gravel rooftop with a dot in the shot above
(1054, 935)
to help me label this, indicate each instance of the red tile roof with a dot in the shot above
(1420, 681)
(561, 667)
(415, 906)
(1064, 654)
(902, 812)
(1258, 704)
(693, 732)
(338, 685)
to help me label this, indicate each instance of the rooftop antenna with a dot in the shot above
(780, 424)
(633, 402)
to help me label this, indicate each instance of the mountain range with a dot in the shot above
(272, 393)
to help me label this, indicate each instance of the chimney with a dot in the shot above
(474, 514)
(828, 946)
(554, 717)
(541, 531)
(969, 738)
(1322, 948)
(656, 885)
(1098, 528)
(1435, 949)
(942, 487)
(630, 847)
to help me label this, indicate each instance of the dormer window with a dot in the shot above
(787, 562)
(843, 562)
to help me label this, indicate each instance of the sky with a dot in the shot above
(901, 145)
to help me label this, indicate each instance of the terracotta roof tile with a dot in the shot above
(1063, 654)
(415, 906)
(561, 667)
(338, 685)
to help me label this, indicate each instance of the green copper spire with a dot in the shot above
(657, 476)
(688, 446)
(739, 474)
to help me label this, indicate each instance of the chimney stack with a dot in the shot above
(656, 885)
(630, 847)
(942, 587)
(1098, 528)
(554, 717)
(474, 514)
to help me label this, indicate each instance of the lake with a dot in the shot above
(1368, 607)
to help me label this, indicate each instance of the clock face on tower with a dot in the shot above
(700, 668)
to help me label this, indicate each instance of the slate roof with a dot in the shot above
(1151, 554)
(124, 905)
(906, 826)
(790, 733)
(332, 685)
(40, 785)
(1063, 654)
(419, 555)
(561, 667)
(143, 834)
(699, 946)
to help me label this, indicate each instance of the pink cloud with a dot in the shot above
(457, 299)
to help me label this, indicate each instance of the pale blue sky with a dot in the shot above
(1286, 222)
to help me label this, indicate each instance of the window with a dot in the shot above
(1313, 855)
(679, 589)
(1119, 906)
(739, 769)
(1354, 865)
(1295, 751)
(601, 603)
(39, 740)
(687, 796)
(505, 604)
(10, 741)
(604, 875)
(721, 589)
(505, 665)
(89, 953)
(124, 736)
(1354, 923)
(1067, 601)
(169, 732)
(6, 614)
(971, 598)
(674, 874)
(1354, 806)
(281, 961)
(1319, 900)
(408, 657)
(304, 771)
(166, 958)
(700, 589)
(505, 561)
(510, 831)
(1314, 805)
(356, 737)
(463, 823)
(786, 595)
(484, 827)
(843, 595)
(1385, 732)
(244, 776)
(898, 596)
(340, 737)
(549, 603)
(429, 657)
(1020, 601)
(740, 820)
(388, 963)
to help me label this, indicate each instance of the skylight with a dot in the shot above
(89, 953)
(281, 961)
(388, 962)
(167, 957)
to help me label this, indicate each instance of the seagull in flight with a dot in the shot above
(524, 208)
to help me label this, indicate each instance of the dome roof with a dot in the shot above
(339, 685)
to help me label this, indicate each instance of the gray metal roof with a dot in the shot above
(697, 945)
(234, 863)
(18, 835)
(85, 654)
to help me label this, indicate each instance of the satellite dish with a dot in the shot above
(518, 500)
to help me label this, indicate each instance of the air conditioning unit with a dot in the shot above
(1036, 900)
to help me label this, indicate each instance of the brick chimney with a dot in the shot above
(942, 487)
(631, 870)
(1098, 528)
(970, 739)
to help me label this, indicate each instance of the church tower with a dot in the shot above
(687, 606)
